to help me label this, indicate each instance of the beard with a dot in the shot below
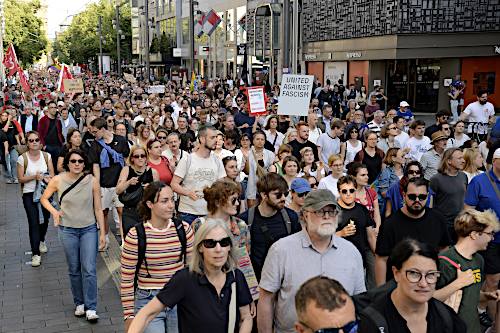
(327, 230)
(278, 206)
(415, 211)
(483, 102)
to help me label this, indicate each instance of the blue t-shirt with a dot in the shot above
(481, 194)
(241, 118)
(408, 115)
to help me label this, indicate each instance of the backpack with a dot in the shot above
(263, 226)
(142, 245)
(363, 304)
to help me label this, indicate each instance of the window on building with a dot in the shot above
(484, 80)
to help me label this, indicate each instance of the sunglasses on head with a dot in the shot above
(229, 158)
(303, 194)
(211, 243)
(350, 190)
(419, 197)
(75, 161)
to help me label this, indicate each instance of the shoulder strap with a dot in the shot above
(181, 233)
(445, 315)
(377, 318)
(25, 161)
(141, 250)
(286, 218)
(232, 307)
(46, 158)
(72, 186)
(495, 187)
(454, 264)
(251, 216)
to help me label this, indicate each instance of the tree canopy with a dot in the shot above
(24, 30)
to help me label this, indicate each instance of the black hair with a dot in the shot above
(396, 119)
(417, 182)
(481, 92)
(98, 123)
(413, 163)
(151, 192)
(77, 152)
(353, 168)
(441, 113)
(409, 247)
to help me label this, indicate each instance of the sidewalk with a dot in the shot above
(39, 299)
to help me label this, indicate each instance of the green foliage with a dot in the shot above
(165, 44)
(79, 43)
(155, 45)
(24, 30)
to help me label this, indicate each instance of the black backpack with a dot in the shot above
(363, 304)
(142, 244)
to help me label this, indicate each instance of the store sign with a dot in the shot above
(309, 57)
(352, 55)
(295, 94)
(180, 52)
(497, 49)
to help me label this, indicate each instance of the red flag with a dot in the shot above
(10, 60)
(23, 80)
(63, 74)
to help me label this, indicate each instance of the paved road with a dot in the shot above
(39, 299)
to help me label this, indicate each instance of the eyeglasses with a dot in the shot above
(419, 197)
(211, 243)
(413, 172)
(325, 212)
(139, 156)
(491, 233)
(350, 190)
(415, 276)
(161, 137)
(34, 140)
(74, 161)
(351, 327)
(301, 195)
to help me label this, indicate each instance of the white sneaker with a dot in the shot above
(36, 261)
(43, 247)
(80, 310)
(92, 316)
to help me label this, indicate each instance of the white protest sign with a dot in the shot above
(158, 89)
(256, 100)
(295, 94)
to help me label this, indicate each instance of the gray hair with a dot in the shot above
(379, 112)
(197, 264)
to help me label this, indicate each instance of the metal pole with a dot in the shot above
(2, 68)
(118, 55)
(146, 7)
(295, 37)
(285, 51)
(191, 34)
(100, 46)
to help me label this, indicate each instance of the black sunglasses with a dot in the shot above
(351, 327)
(420, 197)
(139, 156)
(234, 201)
(211, 243)
(280, 194)
(74, 161)
(414, 172)
(351, 190)
(33, 140)
(301, 195)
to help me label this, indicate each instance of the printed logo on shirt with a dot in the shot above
(477, 275)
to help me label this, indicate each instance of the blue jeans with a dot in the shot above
(165, 321)
(188, 218)
(11, 164)
(80, 246)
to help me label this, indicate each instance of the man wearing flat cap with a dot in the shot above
(292, 260)
(431, 159)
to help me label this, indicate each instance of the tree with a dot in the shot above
(155, 45)
(24, 30)
(165, 44)
(79, 43)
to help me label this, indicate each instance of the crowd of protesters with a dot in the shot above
(355, 218)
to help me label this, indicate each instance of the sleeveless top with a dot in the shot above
(351, 151)
(79, 199)
(145, 178)
(163, 170)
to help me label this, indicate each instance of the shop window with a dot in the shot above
(484, 80)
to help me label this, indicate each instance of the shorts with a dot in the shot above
(492, 259)
(109, 198)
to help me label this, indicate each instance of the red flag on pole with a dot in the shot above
(23, 80)
(10, 60)
(63, 74)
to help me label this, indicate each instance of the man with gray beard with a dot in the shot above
(292, 260)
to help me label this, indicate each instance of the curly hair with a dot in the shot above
(218, 194)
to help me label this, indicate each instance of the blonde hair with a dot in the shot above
(333, 158)
(470, 220)
(197, 263)
(470, 156)
(288, 133)
(133, 149)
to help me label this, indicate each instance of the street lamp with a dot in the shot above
(119, 36)
(99, 29)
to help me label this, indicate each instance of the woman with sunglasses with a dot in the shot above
(387, 135)
(223, 204)
(33, 167)
(356, 226)
(134, 175)
(73, 141)
(158, 162)
(409, 306)
(352, 146)
(299, 189)
(203, 293)
(162, 136)
(80, 212)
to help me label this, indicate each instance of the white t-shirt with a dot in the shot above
(314, 135)
(198, 173)
(277, 139)
(480, 113)
(457, 143)
(402, 138)
(417, 147)
(329, 146)
(330, 183)
(32, 169)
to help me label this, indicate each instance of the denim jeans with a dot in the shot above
(37, 230)
(11, 164)
(80, 247)
(165, 321)
(188, 218)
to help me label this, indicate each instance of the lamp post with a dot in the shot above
(100, 46)
(146, 8)
(191, 34)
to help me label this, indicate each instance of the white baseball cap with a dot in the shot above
(404, 104)
(496, 154)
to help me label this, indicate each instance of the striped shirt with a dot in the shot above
(163, 251)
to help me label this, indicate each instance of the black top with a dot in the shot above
(10, 134)
(373, 165)
(430, 229)
(109, 176)
(494, 147)
(261, 243)
(297, 147)
(199, 307)
(52, 138)
(397, 324)
(431, 130)
(361, 218)
(144, 179)
(187, 140)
